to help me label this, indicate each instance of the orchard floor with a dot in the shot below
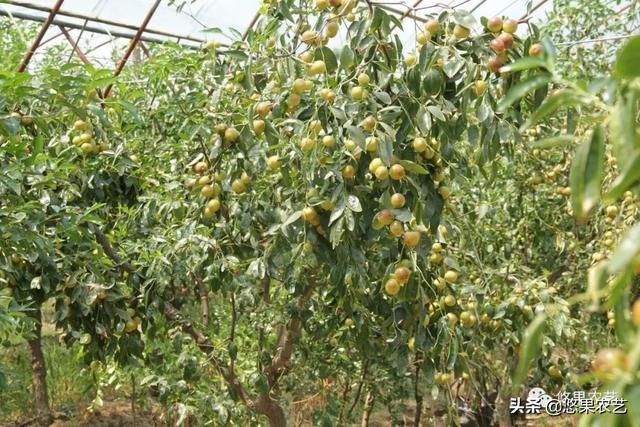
(70, 396)
(114, 413)
(118, 413)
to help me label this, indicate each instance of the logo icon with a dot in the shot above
(537, 400)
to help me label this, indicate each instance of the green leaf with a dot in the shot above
(436, 112)
(464, 18)
(286, 12)
(9, 125)
(550, 51)
(337, 212)
(237, 55)
(628, 62)
(586, 174)
(551, 104)
(625, 253)
(357, 135)
(328, 57)
(413, 167)
(525, 63)
(292, 218)
(596, 281)
(529, 349)
(627, 178)
(623, 328)
(622, 128)
(554, 141)
(521, 89)
(433, 82)
(424, 120)
(453, 353)
(383, 97)
(131, 108)
(385, 147)
(105, 81)
(337, 229)
(354, 203)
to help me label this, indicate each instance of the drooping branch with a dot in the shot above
(262, 404)
(206, 346)
(173, 315)
(109, 251)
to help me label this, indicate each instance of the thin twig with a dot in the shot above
(356, 398)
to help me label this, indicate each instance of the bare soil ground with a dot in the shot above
(114, 413)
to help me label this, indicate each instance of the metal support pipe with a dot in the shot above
(132, 45)
(416, 4)
(478, 5)
(100, 20)
(74, 45)
(527, 16)
(39, 37)
(98, 46)
(145, 50)
(250, 26)
(89, 28)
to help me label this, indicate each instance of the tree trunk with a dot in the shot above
(268, 407)
(39, 372)
(356, 399)
(368, 408)
(204, 301)
(418, 397)
(344, 398)
(502, 408)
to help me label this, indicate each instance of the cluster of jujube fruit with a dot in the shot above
(84, 138)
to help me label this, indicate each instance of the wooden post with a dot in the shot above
(36, 42)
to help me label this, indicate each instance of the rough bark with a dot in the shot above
(39, 372)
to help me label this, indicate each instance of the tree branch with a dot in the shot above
(206, 346)
(365, 370)
(109, 251)
(204, 300)
(288, 338)
(266, 289)
(174, 316)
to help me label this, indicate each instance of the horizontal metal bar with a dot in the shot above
(89, 28)
(102, 20)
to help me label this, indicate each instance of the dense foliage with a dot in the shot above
(252, 224)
